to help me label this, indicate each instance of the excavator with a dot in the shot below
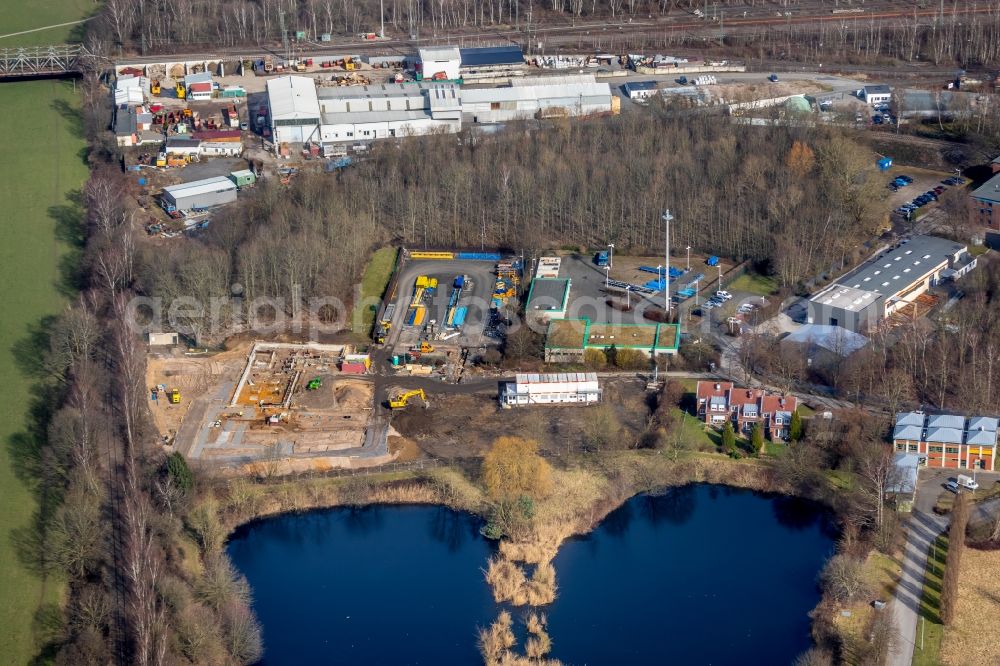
(400, 401)
(424, 348)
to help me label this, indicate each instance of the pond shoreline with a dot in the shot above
(449, 487)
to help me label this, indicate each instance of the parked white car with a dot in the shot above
(724, 295)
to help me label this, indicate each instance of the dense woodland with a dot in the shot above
(792, 202)
(163, 25)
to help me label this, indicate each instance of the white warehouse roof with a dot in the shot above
(567, 92)
(293, 98)
(439, 54)
(196, 187)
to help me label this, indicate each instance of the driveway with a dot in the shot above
(922, 527)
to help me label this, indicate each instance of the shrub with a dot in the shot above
(728, 438)
(512, 519)
(179, 472)
(512, 468)
(843, 579)
(757, 439)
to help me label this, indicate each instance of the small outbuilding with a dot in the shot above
(243, 178)
(640, 91)
(874, 95)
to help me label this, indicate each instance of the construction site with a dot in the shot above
(290, 407)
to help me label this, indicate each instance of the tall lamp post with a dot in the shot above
(611, 255)
(689, 257)
(666, 260)
(607, 276)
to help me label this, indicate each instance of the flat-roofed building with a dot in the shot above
(389, 110)
(543, 100)
(860, 300)
(551, 389)
(547, 299)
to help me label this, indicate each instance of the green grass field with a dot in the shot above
(754, 284)
(17, 16)
(41, 165)
(373, 283)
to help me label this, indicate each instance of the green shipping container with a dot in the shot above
(244, 178)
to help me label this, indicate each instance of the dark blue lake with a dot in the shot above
(697, 575)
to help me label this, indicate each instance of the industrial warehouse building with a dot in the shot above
(551, 389)
(199, 194)
(389, 110)
(294, 109)
(439, 62)
(491, 61)
(521, 102)
(948, 440)
(861, 300)
(566, 340)
(301, 113)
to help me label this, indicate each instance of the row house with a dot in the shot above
(722, 401)
(948, 440)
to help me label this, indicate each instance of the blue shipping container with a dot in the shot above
(459, 318)
(478, 256)
(459, 282)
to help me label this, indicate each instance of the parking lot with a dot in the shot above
(922, 181)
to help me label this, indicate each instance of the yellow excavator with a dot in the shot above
(424, 348)
(400, 401)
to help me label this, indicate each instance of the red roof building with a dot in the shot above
(744, 408)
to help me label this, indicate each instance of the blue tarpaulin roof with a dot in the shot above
(492, 55)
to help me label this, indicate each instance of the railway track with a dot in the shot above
(555, 37)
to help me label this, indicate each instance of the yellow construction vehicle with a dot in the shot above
(175, 396)
(400, 401)
(154, 87)
(349, 65)
(424, 348)
(181, 92)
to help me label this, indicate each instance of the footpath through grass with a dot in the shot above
(373, 283)
(41, 165)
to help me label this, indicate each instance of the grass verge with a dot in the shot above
(971, 640)
(754, 284)
(927, 651)
(373, 284)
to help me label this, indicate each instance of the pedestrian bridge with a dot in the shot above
(57, 60)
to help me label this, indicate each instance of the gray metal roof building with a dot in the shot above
(859, 300)
(200, 193)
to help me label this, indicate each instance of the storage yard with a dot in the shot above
(443, 302)
(299, 406)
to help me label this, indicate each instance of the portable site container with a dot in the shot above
(200, 193)
(243, 178)
(459, 319)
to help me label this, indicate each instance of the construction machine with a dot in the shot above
(349, 64)
(424, 348)
(314, 384)
(154, 87)
(400, 401)
(175, 396)
(181, 92)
